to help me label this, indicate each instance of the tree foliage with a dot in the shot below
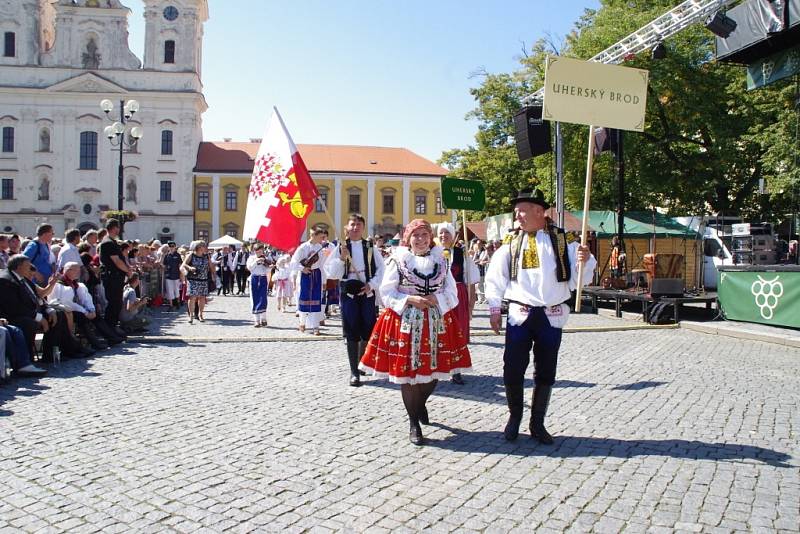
(707, 140)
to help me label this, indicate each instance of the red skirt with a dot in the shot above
(388, 351)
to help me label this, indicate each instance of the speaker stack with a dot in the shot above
(531, 133)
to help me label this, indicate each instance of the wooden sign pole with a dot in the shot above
(585, 224)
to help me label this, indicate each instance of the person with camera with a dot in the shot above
(309, 258)
(259, 266)
(359, 266)
(131, 318)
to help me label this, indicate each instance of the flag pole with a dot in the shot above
(585, 223)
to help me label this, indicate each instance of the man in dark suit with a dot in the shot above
(21, 306)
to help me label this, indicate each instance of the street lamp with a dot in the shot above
(121, 137)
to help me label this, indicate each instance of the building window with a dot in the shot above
(322, 201)
(8, 189)
(88, 150)
(232, 230)
(203, 234)
(203, 200)
(166, 142)
(10, 44)
(388, 203)
(169, 51)
(44, 140)
(166, 191)
(231, 200)
(8, 139)
(421, 204)
(354, 203)
(439, 207)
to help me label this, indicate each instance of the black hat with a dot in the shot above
(534, 196)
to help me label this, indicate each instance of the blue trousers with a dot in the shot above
(16, 348)
(358, 316)
(535, 332)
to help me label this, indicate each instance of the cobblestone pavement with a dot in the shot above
(657, 430)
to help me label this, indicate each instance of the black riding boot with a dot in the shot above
(514, 396)
(411, 401)
(541, 398)
(353, 357)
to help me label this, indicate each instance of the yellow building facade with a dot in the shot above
(389, 186)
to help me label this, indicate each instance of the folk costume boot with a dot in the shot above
(353, 358)
(541, 398)
(410, 401)
(514, 398)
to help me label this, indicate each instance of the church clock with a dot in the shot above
(170, 13)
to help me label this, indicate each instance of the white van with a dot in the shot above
(716, 244)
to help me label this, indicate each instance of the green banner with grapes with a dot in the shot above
(771, 298)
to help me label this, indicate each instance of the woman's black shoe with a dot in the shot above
(415, 435)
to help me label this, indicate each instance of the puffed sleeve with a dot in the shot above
(334, 267)
(497, 277)
(588, 269)
(391, 296)
(380, 268)
(447, 297)
(472, 275)
(299, 254)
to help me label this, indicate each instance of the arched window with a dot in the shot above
(88, 157)
(44, 140)
(169, 51)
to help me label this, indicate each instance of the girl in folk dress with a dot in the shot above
(309, 259)
(259, 268)
(417, 339)
(282, 282)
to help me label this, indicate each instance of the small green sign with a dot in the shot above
(463, 194)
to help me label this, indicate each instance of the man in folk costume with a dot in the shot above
(466, 275)
(534, 271)
(360, 268)
(309, 258)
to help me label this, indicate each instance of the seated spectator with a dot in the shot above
(3, 251)
(21, 303)
(13, 346)
(74, 298)
(130, 317)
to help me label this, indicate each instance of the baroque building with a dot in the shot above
(58, 60)
(389, 186)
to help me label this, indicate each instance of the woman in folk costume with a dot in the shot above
(282, 282)
(417, 340)
(309, 259)
(259, 268)
(466, 275)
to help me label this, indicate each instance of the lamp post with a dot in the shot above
(121, 137)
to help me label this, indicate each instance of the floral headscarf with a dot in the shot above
(412, 227)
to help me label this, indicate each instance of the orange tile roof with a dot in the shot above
(238, 157)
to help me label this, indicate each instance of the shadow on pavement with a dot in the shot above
(584, 447)
(639, 385)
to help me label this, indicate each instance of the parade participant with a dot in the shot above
(466, 275)
(198, 271)
(309, 259)
(417, 340)
(239, 268)
(259, 268)
(360, 268)
(282, 282)
(535, 272)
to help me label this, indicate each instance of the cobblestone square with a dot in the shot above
(657, 430)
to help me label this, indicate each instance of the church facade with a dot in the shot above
(58, 60)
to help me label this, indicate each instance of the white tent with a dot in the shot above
(225, 241)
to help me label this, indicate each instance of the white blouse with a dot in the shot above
(395, 292)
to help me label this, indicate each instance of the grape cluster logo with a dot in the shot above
(767, 294)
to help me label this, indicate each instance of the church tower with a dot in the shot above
(174, 35)
(19, 39)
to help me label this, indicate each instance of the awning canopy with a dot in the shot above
(225, 241)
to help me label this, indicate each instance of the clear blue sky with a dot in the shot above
(361, 72)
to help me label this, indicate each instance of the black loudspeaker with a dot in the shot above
(667, 287)
(531, 133)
